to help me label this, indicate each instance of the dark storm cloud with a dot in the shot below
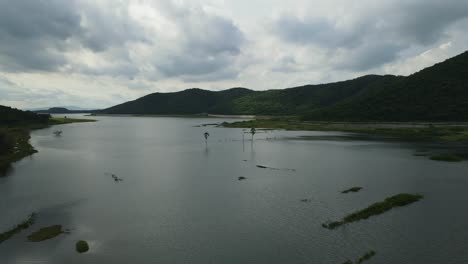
(319, 31)
(103, 28)
(35, 34)
(377, 36)
(424, 22)
(208, 45)
(369, 56)
(32, 33)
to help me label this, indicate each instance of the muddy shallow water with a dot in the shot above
(180, 201)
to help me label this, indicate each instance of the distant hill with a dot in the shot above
(437, 93)
(63, 110)
(191, 101)
(68, 107)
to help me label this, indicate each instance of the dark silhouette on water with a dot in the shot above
(206, 135)
(116, 179)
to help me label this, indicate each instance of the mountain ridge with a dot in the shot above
(436, 93)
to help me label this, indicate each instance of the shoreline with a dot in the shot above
(180, 116)
(428, 131)
(19, 137)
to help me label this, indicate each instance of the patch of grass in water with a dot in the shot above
(376, 209)
(353, 189)
(21, 226)
(82, 246)
(447, 157)
(421, 154)
(432, 133)
(63, 120)
(368, 255)
(46, 233)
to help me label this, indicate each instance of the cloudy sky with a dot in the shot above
(97, 53)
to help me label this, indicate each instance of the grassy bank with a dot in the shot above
(46, 233)
(447, 157)
(439, 132)
(14, 139)
(63, 120)
(23, 225)
(399, 200)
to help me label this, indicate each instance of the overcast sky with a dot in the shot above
(98, 53)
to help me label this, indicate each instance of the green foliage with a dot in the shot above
(21, 226)
(368, 255)
(431, 133)
(16, 146)
(82, 246)
(14, 133)
(447, 157)
(7, 142)
(10, 117)
(376, 209)
(46, 233)
(438, 93)
(62, 120)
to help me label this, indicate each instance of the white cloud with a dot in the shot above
(100, 53)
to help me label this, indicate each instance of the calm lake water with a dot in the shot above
(181, 202)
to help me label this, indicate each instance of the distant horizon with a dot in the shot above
(100, 53)
(79, 108)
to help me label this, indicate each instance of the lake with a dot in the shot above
(180, 200)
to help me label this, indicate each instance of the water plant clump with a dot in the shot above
(447, 157)
(376, 209)
(46, 233)
(353, 189)
(82, 246)
(368, 255)
(21, 226)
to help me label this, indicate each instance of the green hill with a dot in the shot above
(11, 117)
(437, 93)
(191, 101)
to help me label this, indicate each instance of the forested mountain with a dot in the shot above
(437, 93)
(15, 117)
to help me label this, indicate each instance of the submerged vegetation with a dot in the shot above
(429, 132)
(376, 209)
(46, 233)
(353, 189)
(65, 120)
(447, 157)
(23, 225)
(82, 246)
(368, 255)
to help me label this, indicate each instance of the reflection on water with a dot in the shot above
(181, 200)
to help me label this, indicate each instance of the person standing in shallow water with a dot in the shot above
(206, 135)
(253, 131)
